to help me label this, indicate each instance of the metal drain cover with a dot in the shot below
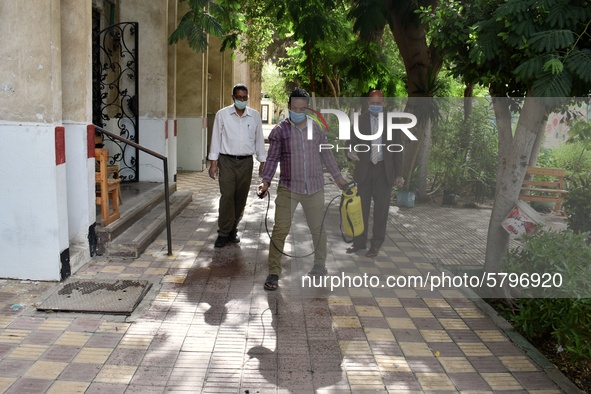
(97, 296)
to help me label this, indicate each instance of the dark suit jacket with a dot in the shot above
(392, 160)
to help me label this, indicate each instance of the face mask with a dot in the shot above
(375, 109)
(240, 104)
(297, 117)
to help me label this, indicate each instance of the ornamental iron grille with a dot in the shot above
(115, 93)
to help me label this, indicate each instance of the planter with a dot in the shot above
(450, 198)
(406, 199)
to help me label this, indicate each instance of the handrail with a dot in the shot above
(166, 191)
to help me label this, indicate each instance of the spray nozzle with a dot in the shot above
(350, 186)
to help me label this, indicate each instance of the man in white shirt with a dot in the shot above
(237, 135)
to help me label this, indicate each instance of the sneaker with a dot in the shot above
(221, 241)
(233, 237)
(318, 270)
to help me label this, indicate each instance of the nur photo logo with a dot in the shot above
(395, 122)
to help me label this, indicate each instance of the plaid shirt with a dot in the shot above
(301, 159)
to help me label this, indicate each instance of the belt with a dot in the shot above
(235, 157)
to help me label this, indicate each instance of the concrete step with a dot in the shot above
(137, 237)
(138, 200)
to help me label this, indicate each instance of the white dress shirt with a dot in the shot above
(237, 135)
(374, 124)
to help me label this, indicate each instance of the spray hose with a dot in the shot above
(349, 186)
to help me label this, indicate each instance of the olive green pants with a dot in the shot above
(286, 203)
(235, 176)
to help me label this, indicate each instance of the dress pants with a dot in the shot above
(374, 187)
(234, 178)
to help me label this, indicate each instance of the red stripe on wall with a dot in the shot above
(90, 140)
(60, 145)
(166, 129)
(175, 127)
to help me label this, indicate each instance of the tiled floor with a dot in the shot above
(207, 325)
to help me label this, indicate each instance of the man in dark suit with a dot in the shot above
(376, 170)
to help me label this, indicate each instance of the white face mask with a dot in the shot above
(240, 104)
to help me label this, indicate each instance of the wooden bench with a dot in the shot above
(107, 188)
(544, 190)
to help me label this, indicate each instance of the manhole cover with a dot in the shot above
(97, 296)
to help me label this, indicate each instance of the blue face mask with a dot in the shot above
(297, 117)
(240, 104)
(375, 109)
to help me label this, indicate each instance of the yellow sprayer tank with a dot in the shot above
(351, 214)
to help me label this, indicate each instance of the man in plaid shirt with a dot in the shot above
(301, 181)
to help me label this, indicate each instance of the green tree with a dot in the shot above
(273, 85)
(422, 61)
(533, 55)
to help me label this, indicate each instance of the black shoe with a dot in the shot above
(372, 252)
(318, 270)
(272, 282)
(233, 237)
(354, 249)
(221, 241)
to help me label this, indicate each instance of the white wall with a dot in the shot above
(33, 203)
(152, 135)
(191, 144)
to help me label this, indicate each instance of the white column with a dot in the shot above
(77, 115)
(33, 202)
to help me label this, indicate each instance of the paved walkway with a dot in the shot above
(208, 326)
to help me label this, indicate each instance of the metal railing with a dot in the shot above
(166, 186)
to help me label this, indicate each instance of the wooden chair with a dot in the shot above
(108, 191)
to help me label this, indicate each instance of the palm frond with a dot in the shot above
(209, 24)
(551, 40)
(197, 23)
(553, 85)
(530, 68)
(578, 62)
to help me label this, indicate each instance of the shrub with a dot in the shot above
(577, 204)
(563, 312)
(464, 153)
(573, 158)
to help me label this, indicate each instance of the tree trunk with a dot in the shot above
(514, 155)
(425, 149)
(422, 64)
(541, 137)
(468, 101)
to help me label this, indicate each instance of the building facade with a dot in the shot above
(50, 100)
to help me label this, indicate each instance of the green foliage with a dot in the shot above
(369, 17)
(273, 85)
(197, 23)
(255, 32)
(577, 204)
(580, 134)
(562, 253)
(540, 47)
(464, 152)
(563, 312)
(573, 158)
(549, 41)
(579, 63)
(567, 320)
